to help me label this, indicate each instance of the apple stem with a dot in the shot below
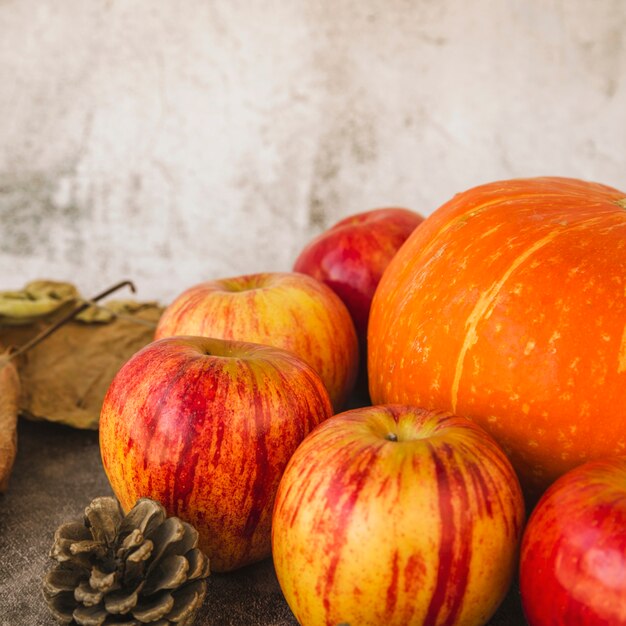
(391, 437)
(85, 304)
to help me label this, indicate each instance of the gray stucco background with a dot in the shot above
(171, 142)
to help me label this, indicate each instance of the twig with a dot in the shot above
(66, 318)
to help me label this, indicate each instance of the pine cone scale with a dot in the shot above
(61, 606)
(88, 546)
(104, 516)
(172, 573)
(151, 611)
(62, 579)
(65, 537)
(170, 532)
(143, 552)
(88, 596)
(198, 564)
(132, 541)
(187, 601)
(90, 615)
(146, 516)
(102, 581)
(122, 602)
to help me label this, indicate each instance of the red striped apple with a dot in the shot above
(573, 557)
(287, 310)
(351, 256)
(393, 515)
(206, 427)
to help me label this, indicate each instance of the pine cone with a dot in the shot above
(144, 568)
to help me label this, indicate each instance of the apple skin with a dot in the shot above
(206, 427)
(573, 556)
(282, 309)
(422, 530)
(351, 256)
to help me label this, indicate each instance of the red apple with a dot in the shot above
(206, 427)
(351, 256)
(286, 310)
(393, 515)
(573, 557)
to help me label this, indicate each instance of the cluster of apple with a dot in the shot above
(206, 417)
(234, 419)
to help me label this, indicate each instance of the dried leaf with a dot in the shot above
(9, 397)
(37, 300)
(103, 314)
(65, 377)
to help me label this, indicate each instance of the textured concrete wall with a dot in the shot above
(171, 142)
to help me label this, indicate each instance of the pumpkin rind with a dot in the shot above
(508, 305)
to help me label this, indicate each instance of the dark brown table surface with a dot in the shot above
(57, 473)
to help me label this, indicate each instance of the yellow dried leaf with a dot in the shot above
(99, 314)
(38, 299)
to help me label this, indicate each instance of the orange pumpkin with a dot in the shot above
(508, 306)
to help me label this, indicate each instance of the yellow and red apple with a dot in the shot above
(396, 516)
(284, 309)
(573, 558)
(206, 427)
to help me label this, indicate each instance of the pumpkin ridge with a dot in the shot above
(479, 208)
(483, 309)
(621, 355)
(461, 218)
(458, 220)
